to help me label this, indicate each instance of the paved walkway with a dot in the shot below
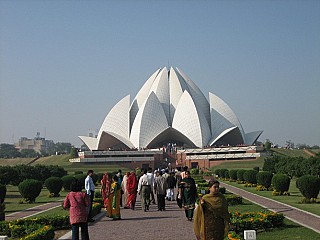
(169, 224)
(301, 217)
(33, 211)
(136, 224)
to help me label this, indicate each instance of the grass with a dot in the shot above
(241, 164)
(13, 199)
(290, 230)
(292, 200)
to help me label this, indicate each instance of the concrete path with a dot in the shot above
(136, 224)
(306, 219)
(33, 211)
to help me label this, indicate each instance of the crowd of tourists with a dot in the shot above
(211, 219)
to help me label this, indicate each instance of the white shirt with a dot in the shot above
(88, 185)
(144, 180)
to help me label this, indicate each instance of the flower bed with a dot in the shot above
(256, 220)
(41, 228)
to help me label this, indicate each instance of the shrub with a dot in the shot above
(54, 185)
(3, 192)
(67, 180)
(264, 179)
(217, 172)
(250, 176)
(222, 190)
(78, 172)
(194, 171)
(280, 182)
(223, 173)
(81, 178)
(240, 173)
(256, 169)
(309, 186)
(233, 174)
(30, 189)
(233, 199)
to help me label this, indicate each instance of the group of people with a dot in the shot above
(211, 216)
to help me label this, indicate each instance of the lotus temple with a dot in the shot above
(170, 121)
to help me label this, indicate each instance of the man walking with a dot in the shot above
(160, 187)
(151, 179)
(144, 189)
(89, 186)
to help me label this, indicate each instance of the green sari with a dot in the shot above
(114, 201)
(212, 218)
(188, 195)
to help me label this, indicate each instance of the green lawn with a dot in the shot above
(292, 200)
(13, 199)
(290, 230)
(243, 164)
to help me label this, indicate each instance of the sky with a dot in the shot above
(65, 64)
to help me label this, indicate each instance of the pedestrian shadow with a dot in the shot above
(147, 218)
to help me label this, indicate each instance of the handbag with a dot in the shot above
(179, 200)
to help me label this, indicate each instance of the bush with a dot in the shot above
(256, 169)
(280, 183)
(67, 180)
(30, 189)
(78, 172)
(240, 173)
(250, 176)
(3, 192)
(194, 171)
(81, 178)
(233, 174)
(224, 173)
(309, 186)
(217, 172)
(54, 185)
(264, 179)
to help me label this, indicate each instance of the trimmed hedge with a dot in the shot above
(54, 185)
(67, 180)
(240, 173)
(30, 189)
(280, 182)
(264, 179)
(233, 174)
(250, 176)
(309, 186)
(3, 192)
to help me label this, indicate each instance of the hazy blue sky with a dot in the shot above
(65, 64)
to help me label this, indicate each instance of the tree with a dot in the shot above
(8, 151)
(28, 153)
(74, 153)
(268, 145)
(63, 147)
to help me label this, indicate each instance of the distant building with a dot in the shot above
(38, 144)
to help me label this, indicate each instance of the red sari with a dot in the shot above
(105, 189)
(132, 186)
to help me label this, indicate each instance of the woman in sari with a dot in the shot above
(105, 189)
(132, 186)
(114, 200)
(212, 219)
(188, 194)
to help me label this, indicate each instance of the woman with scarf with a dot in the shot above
(188, 194)
(105, 189)
(114, 200)
(132, 186)
(212, 219)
